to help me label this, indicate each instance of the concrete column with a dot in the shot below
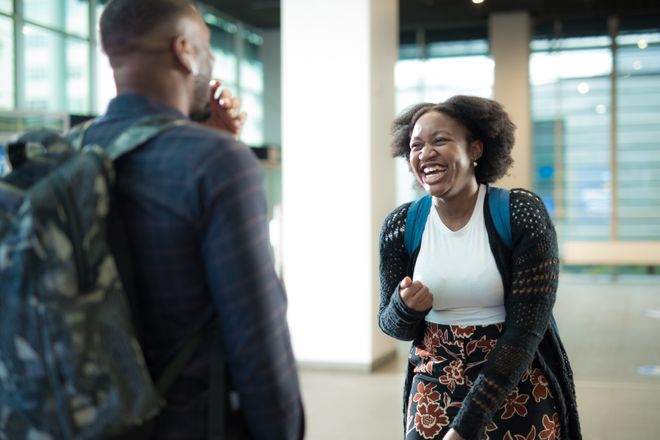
(338, 179)
(510, 36)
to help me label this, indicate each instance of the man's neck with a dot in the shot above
(159, 89)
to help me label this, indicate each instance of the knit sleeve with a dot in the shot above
(394, 317)
(535, 269)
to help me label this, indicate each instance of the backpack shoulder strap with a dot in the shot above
(140, 133)
(415, 222)
(76, 134)
(131, 138)
(498, 203)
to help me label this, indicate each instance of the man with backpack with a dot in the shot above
(192, 210)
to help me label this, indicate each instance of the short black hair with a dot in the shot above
(485, 120)
(124, 22)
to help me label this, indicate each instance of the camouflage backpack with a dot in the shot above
(70, 363)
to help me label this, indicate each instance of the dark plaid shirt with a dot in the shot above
(195, 215)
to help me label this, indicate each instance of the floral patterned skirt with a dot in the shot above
(446, 364)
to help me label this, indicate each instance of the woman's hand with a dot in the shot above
(452, 435)
(415, 295)
(225, 111)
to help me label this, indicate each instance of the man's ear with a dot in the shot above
(184, 55)
(476, 150)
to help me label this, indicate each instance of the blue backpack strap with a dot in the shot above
(498, 202)
(418, 212)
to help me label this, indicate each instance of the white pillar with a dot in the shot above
(338, 178)
(510, 36)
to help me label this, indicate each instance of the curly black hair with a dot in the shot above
(485, 120)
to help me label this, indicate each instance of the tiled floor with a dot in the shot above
(610, 329)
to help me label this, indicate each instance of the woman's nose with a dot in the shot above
(427, 150)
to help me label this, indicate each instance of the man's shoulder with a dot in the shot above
(202, 146)
(200, 137)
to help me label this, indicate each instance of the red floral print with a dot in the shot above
(486, 345)
(430, 419)
(550, 432)
(426, 394)
(424, 367)
(422, 352)
(490, 427)
(432, 340)
(453, 377)
(530, 436)
(527, 375)
(555, 418)
(427, 361)
(446, 399)
(455, 355)
(462, 331)
(515, 404)
(541, 388)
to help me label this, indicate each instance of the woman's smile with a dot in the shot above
(432, 173)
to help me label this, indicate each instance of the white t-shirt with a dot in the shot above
(459, 269)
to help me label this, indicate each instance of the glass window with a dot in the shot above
(457, 48)
(252, 133)
(571, 99)
(6, 6)
(223, 46)
(466, 75)
(105, 83)
(572, 148)
(252, 76)
(105, 88)
(77, 76)
(225, 68)
(438, 78)
(251, 93)
(44, 76)
(7, 61)
(77, 17)
(70, 16)
(227, 41)
(56, 72)
(638, 136)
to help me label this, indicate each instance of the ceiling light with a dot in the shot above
(637, 65)
(476, 2)
(601, 109)
(642, 44)
(583, 88)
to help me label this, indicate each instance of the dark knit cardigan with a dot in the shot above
(529, 273)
